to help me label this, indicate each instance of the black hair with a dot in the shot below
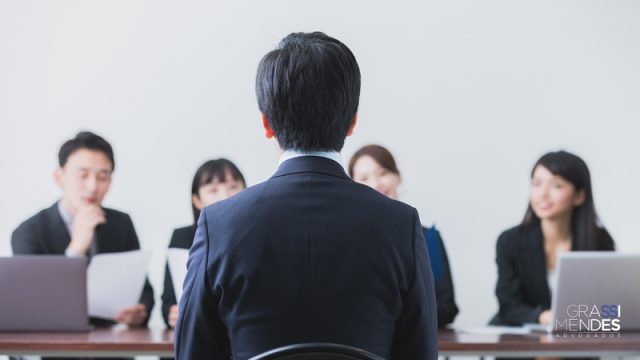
(85, 140)
(309, 89)
(213, 170)
(586, 232)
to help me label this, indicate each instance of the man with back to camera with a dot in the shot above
(77, 224)
(309, 255)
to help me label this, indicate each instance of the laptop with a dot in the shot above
(43, 293)
(597, 292)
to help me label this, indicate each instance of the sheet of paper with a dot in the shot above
(495, 330)
(115, 281)
(177, 259)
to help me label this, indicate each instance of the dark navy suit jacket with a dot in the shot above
(308, 256)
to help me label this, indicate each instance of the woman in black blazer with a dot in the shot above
(561, 217)
(215, 180)
(374, 166)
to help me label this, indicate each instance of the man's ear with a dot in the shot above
(579, 198)
(57, 176)
(353, 124)
(268, 131)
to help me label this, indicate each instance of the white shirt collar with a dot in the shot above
(66, 216)
(290, 154)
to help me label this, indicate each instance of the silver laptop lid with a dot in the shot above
(597, 292)
(43, 293)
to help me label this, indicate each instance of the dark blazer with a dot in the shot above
(445, 298)
(46, 233)
(308, 256)
(522, 289)
(182, 238)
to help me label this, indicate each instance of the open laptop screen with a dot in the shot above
(43, 293)
(597, 292)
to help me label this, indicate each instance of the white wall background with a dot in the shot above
(467, 95)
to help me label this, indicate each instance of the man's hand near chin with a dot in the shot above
(84, 226)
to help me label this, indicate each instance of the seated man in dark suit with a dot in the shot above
(309, 255)
(77, 224)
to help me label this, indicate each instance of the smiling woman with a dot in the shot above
(561, 217)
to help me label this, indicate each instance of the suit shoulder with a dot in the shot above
(27, 237)
(182, 237)
(116, 215)
(31, 224)
(183, 231)
(513, 235)
(386, 203)
(511, 232)
(248, 193)
(370, 208)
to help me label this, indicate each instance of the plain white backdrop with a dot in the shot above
(466, 94)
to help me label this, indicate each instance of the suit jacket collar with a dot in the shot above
(316, 164)
(533, 249)
(66, 216)
(56, 230)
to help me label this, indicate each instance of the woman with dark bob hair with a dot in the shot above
(561, 217)
(374, 166)
(215, 180)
